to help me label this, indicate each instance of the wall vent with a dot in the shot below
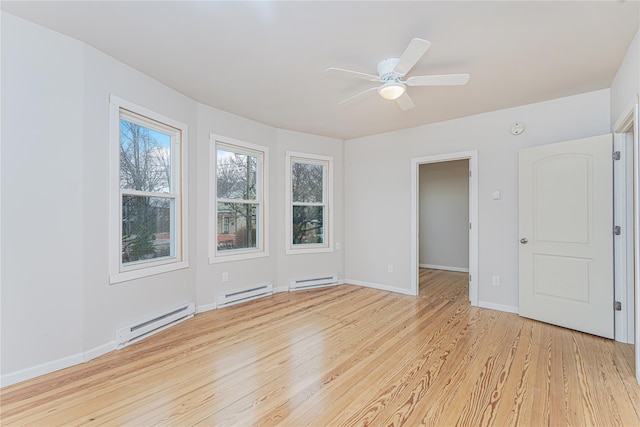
(134, 333)
(316, 282)
(248, 294)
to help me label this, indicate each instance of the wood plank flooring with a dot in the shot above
(345, 356)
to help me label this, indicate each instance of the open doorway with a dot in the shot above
(443, 207)
(468, 160)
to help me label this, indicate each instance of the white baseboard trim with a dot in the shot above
(206, 307)
(379, 286)
(44, 368)
(499, 307)
(99, 351)
(56, 365)
(444, 267)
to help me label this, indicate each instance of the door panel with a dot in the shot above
(566, 219)
(561, 277)
(561, 201)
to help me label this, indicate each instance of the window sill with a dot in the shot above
(237, 257)
(309, 250)
(146, 272)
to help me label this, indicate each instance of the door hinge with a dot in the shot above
(617, 230)
(617, 305)
(469, 226)
(469, 277)
(616, 155)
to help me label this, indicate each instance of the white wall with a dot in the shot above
(444, 215)
(278, 268)
(378, 187)
(241, 273)
(42, 196)
(302, 266)
(108, 307)
(625, 86)
(58, 306)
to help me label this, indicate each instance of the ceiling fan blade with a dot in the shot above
(411, 55)
(339, 73)
(358, 96)
(404, 102)
(439, 80)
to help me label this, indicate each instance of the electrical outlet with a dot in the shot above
(495, 280)
(390, 268)
(337, 246)
(225, 277)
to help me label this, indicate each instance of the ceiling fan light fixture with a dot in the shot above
(392, 90)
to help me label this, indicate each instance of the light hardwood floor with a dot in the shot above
(345, 356)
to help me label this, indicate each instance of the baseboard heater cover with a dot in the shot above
(316, 282)
(247, 294)
(134, 333)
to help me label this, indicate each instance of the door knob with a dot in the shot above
(524, 241)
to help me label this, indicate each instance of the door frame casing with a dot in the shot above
(472, 156)
(636, 224)
(623, 244)
(630, 121)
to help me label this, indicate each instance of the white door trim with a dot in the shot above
(472, 156)
(630, 121)
(623, 243)
(636, 223)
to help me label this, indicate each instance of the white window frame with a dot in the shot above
(262, 199)
(120, 272)
(327, 163)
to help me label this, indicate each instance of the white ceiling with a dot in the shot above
(266, 60)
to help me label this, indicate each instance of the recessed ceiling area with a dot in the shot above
(266, 60)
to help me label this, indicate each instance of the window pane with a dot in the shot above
(236, 175)
(308, 224)
(306, 182)
(145, 159)
(146, 228)
(236, 226)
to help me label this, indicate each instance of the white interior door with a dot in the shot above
(566, 222)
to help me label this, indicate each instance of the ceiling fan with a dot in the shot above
(391, 73)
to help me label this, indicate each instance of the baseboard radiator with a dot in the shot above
(247, 294)
(316, 282)
(134, 333)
